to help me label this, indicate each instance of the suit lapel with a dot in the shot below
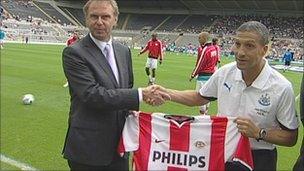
(121, 64)
(98, 56)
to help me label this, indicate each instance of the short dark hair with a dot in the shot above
(214, 40)
(154, 34)
(257, 27)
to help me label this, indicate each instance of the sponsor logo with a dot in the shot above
(199, 144)
(227, 86)
(178, 159)
(264, 100)
(158, 141)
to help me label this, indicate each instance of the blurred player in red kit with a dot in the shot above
(207, 59)
(74, 38)
(154, 46)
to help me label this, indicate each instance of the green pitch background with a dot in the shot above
(34, 134)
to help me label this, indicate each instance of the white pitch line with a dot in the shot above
(16, 163)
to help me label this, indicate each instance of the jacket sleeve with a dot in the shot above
(130, 68)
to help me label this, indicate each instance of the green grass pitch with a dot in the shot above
(34, 134)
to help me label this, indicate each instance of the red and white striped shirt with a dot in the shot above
(202, 143)
(155, 49)
(207, 59)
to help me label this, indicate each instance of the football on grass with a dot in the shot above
(28, 99)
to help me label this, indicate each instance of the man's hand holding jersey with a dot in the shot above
(247, 127)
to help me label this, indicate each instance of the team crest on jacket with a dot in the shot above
(199, 144)
(264, 100)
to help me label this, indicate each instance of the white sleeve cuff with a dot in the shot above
(140, 95)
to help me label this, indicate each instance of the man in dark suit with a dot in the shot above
(100, 77)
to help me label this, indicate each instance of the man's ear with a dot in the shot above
(116, 20)
(265, 50)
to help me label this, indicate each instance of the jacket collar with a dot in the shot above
(96, 53)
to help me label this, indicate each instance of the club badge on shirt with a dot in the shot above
(264, 100)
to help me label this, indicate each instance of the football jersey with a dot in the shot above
(155, 49)
(162, 142)
(207, 58)
(71, 40)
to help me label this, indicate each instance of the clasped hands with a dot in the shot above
(155, 95)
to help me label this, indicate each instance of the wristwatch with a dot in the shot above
(262, 134)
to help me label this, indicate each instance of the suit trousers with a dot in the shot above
(119, 164)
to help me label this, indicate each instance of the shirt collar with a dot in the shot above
(101, 44)
(260, 81)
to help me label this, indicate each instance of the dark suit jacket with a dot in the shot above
(98, 104)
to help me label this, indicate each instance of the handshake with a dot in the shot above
(155, 95)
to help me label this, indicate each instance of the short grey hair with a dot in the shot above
(255, 26)
(112, 2)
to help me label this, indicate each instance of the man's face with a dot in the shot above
(100, 20)
(75, 35)
(249, 51)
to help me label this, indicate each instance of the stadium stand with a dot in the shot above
(281, 27)
(23, 10)
(138, 22)
(52, 12)
(195, 23)
(75, 14)
(177, 22)
(172, 23)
